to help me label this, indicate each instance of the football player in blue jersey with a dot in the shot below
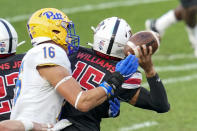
(91, 66)
(9, 66)
(186, 12)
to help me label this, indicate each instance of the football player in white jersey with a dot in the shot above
(45, 75)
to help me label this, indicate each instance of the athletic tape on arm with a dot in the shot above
(28, 125)
(78, 97)
(61, 81)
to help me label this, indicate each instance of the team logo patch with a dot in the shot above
(2, 49)
(2, 46)
(101, 44)
(53, 16)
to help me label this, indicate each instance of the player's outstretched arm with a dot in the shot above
(11, 125)
(124, 69)
(60, 78)
(156, 99)
(70, 89)
(25, 125)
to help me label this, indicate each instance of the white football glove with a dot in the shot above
(60, 125)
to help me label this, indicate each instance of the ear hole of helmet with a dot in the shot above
(56, 31)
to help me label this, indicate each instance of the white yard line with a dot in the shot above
(173, 57)
(176, 79)
(138, 126)
(100, 6)
(171, 68)
(180, 79)
(183, 67)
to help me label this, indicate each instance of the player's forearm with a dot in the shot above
(158, 93)
(23, 125)
(91, 99)
(98, 95)
(12, 125)
(81, 100)
(156, 99)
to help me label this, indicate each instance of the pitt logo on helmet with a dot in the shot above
(51, 15)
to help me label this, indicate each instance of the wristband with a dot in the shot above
(61, 81)
(108, 89)
(115, 80)
(78, 97)
(28, 125)
(154, 79)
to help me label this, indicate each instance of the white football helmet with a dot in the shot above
(110, 36)
(8, 38)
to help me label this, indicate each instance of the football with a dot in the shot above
(149, 38)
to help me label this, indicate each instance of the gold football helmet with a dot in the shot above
(52, 24)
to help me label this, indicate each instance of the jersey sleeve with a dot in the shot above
(48, 54)
(133, 82)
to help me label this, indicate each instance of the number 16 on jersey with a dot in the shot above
(49, 52)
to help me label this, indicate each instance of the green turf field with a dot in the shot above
(174, 61)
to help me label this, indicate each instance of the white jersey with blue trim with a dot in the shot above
(35, 99)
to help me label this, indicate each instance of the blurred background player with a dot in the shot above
(90, 67)
(45, 75)
(186, 12)
(9, 66)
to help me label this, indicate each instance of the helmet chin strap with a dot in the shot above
(93, 28)
(21, 43)
(90, 44)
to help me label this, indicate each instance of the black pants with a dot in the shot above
(188, 3)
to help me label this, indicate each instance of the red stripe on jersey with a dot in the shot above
(133, 81)
(6, 55)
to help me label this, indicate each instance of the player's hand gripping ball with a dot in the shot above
(148, 38)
